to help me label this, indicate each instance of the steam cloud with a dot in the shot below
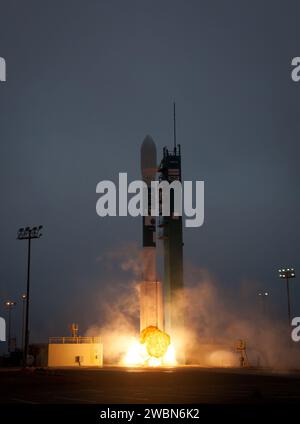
(213, 320)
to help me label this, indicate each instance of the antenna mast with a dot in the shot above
(174, 118)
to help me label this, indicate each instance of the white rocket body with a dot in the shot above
(151, 302)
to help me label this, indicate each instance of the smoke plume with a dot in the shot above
(214, 319)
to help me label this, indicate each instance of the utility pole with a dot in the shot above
(23, 320)
(9, 305)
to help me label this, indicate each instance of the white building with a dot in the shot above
(75, 352)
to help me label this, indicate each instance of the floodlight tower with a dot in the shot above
(287, 273)
(28, 234)
(263, 296)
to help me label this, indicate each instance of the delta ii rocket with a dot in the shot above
(151, 301)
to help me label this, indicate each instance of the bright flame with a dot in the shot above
(154, 362)
(170, 356)
(136, 354)
(153, 350)
(155, 340)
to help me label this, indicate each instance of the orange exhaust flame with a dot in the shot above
(154, 349)
(155, 340)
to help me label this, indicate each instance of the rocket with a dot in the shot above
(151, 303)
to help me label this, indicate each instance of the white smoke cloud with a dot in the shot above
(214, 318)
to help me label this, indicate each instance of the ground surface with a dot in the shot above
(121, 385)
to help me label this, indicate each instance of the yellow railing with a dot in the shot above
(74, 340)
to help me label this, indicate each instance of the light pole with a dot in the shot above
(9, 305)
(287, 273)
(28, 234)
(263, 295)
(23, 319)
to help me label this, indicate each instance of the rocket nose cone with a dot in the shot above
(148, 158)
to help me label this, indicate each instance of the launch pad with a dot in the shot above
(182, 385)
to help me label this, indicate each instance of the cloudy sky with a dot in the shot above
(86, 81)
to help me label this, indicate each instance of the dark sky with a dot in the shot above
(87, 80)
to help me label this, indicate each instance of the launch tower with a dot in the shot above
(170, 170)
